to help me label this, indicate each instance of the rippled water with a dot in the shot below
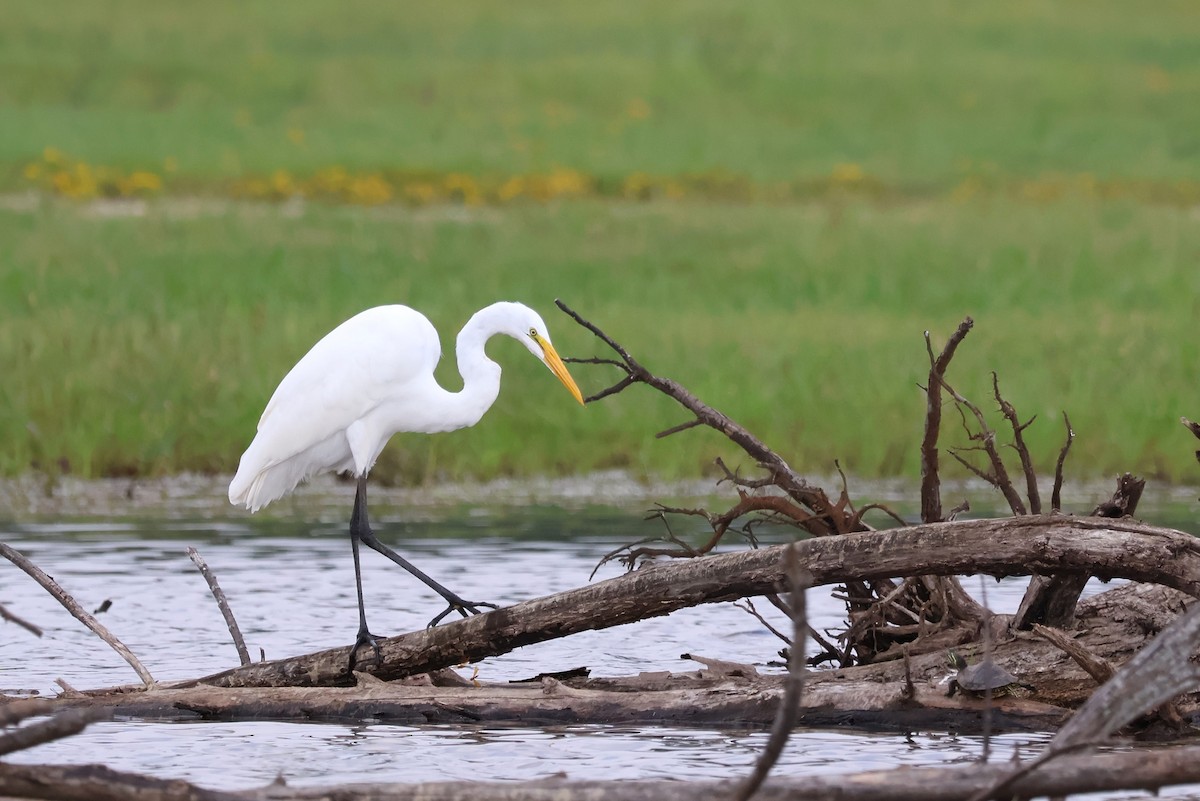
(291, 587)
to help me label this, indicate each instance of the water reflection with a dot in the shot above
(292, 589)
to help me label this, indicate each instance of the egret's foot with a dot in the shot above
(364, 638)
(464, 608)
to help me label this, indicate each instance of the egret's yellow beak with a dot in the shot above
(555, 363)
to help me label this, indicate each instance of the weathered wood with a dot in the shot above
(831, 700)
(1158, 673)
(1009, 546)
(1143, 770)
(931, 485)
(1050, 600)
(1125, 497)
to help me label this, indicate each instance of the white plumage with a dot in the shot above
(367, 379)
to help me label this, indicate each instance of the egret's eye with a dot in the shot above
(533, 333)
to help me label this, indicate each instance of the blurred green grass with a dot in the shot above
(914, 93)
(148, 344)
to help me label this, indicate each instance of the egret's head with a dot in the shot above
(530, 329)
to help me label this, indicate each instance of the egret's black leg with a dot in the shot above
(358, 523)
(368, 538)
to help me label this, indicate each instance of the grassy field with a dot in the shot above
(1033, 165)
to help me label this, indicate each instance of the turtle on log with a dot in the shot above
(977, 680)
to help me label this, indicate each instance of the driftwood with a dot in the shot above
(891, 695)
(887, 618)
(1010, 546)
(1148, 770)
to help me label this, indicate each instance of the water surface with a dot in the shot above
(291, 586)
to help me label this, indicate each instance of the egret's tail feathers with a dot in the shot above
(256, 490)
(256, 484)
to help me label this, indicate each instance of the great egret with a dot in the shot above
(367, 379)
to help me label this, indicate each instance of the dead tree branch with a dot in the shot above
(789, 705)
(1018, 428)
(987, 440)
(25, 624)
(1056, 494)
(783, 475)
(222, 603)
(931, 499)
(63, 597)
(1194, 428)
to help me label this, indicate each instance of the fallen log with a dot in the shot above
(830, 701)
(1002, 547)
(1126, 770)
(1112, 626)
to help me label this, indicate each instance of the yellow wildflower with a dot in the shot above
(370, 190)
(512, 188)
(562, 182)
(637, 109)
(847, 173)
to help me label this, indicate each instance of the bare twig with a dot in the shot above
(1193, 427)
(931, 500)
(1056, 495)
(222, 604)
(785, 477)
(799, 580)
(987, 438)
(988, 477)
(51, 586)
(1006, 408)
(681, 427)
(25, 624)
(1097, 667)
(747, 606)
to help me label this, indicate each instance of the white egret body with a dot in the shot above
(367, 379)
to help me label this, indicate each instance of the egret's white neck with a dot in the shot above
(480, 375)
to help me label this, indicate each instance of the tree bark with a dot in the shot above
(1143, 770)
(1113, 625)
(1003, 547)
